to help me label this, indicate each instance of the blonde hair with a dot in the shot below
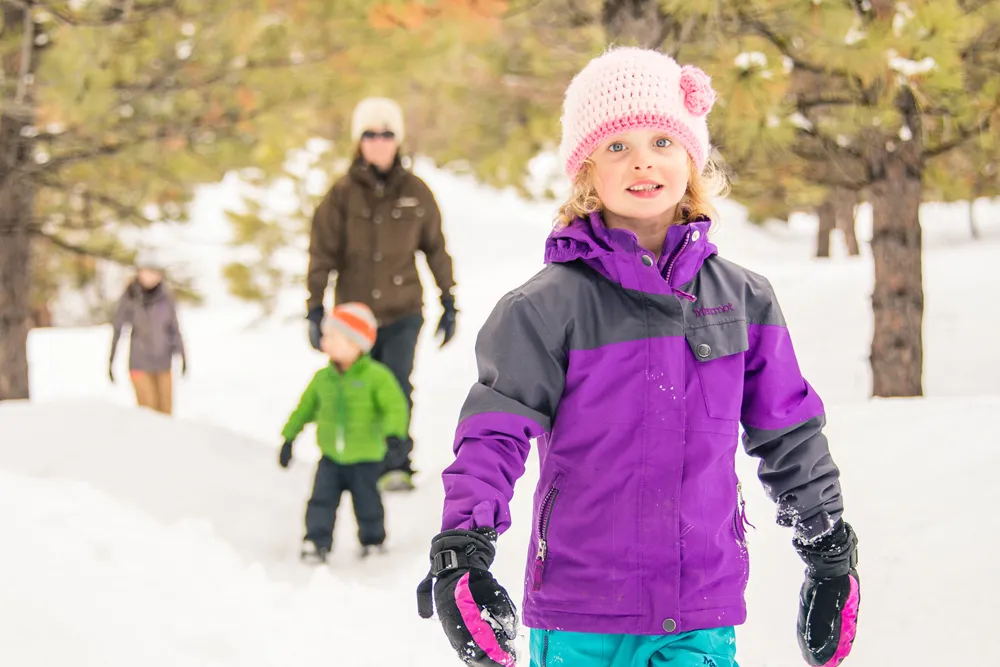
(696, 202)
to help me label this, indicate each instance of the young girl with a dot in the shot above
(359, 410)
(632, 358)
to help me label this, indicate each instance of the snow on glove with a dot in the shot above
(477, 615)
(830, 597)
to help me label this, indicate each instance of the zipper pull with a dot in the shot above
(543, 549)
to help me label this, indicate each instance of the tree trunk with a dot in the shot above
(826, 212)
(635, 22)
(17, 199)
(898, 299)
(846, 202)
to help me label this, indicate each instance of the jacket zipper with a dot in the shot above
(740, 521)
(341, 413)
(673, 260)
(544, 519)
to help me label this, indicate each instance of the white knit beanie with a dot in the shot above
(378, 114)
(628, 89)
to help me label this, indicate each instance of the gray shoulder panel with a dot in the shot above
(723, 282)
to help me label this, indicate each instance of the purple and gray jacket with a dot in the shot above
(634, 375)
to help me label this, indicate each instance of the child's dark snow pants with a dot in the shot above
(332, 479)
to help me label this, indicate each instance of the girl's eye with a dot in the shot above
(663, 142)
(616, 147)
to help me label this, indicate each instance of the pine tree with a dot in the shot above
(113, 111)
(868, 93)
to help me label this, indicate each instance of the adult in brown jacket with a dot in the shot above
(147, 306)
(368, 230)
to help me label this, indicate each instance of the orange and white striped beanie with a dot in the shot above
(356, 321)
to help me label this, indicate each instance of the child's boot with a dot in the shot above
(396, 480)
(372, 549)
(312, 553)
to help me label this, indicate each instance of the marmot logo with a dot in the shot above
(718, 310)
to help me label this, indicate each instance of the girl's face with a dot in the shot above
(641, 175)
(379, 148)
(338, 347)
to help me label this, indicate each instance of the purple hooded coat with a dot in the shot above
(634, 375)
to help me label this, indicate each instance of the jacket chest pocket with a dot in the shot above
(720, 362)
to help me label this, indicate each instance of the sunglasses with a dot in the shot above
(388, 135)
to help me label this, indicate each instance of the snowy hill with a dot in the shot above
(144, 540)
(126, 546)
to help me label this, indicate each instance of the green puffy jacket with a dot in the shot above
(354, 411)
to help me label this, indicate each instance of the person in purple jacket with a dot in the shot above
(632, 358)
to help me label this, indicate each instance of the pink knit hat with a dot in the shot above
(630, 88)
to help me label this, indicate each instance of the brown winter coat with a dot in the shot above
(368, 230)
(155, 335)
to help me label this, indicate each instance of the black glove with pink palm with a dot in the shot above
(830, 597)
(477, 615)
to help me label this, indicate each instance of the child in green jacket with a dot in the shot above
(357, 405)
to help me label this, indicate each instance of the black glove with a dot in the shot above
(111, 371)
(285, 455)
(830, 597)
(397, 454)
(315, 317)
(446, 325)
(477, 615)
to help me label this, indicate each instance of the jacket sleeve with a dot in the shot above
(176, 339)
(432, 244)
(324, 246)
(522, 372)
(393, 409)
(303, 414)
(123, 315)
(783, 421)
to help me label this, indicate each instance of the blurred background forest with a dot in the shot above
(115, 111)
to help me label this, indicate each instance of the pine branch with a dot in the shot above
(805, 104)
(964, 134)
(159, 133)
(830, 144)
(111, 17)
(123, 210)
(784, 46)
(828, 171)
(74, 248)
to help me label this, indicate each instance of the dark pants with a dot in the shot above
(396, 347)
(332, 479)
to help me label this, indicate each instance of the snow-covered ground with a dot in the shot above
(130, 538)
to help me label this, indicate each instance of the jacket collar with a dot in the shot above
(615, 253)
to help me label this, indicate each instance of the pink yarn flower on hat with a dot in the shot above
(698, 94)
